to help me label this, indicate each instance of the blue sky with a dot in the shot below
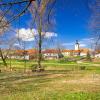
(72, 21)
(72, 17)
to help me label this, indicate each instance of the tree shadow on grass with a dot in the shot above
(27, 83)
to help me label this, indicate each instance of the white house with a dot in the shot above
(97, 55)
(50, 54)
(53, 53)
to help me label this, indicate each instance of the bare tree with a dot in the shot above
(3, 29)
(59, 50)
(95, 22)
(5, 48)
(41, 10)
(12, 9)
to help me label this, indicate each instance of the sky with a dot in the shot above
(72, 18)
(72, 23)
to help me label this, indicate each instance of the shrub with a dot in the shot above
(88, 57)
(63, 60)
(82, 67)
(33, 67)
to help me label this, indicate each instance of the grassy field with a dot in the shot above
(59, 81)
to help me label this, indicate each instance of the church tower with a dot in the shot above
(76, 45)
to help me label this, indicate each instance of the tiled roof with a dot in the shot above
(30, 51)
(75, 51)
(97, 51)
(34, 51)
(19, 51)
(66, 51)
(50, 51)
(84, 50)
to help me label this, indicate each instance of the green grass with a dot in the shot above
(59, 81)
(48, 85)
(20, 63)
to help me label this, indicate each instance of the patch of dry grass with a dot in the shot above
(50, 85)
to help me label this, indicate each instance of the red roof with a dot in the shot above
(50, 51)
(56, 51)
(77, 51)
(19, 52)
(71, 51)
(34, 51)
(30, 51)
(66, 50)
(97, 51)
(85, 50)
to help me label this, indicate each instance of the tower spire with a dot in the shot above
(77, 45)
(77, 42)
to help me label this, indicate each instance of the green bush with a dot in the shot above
(82, 67)
(88, 57)
(33, 67)
(63, 60)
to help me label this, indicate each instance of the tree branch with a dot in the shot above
(14, 3)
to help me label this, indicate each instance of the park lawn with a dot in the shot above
(30, 63)
(57, 82)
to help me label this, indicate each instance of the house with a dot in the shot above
(97, 54)
(32, 53)
(84, 51)
(66, 52)
(71, 52)
(50, 54)
(81, 51)
(77, 52)
(21, 54)
(24, 54)
(54, 54)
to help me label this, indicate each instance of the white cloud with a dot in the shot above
(83, 45)
(25, 34)
(68, 44)
(28, 34)
(17, 46)
(50, 34)
(86, 42)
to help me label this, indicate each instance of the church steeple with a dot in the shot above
(77, 42)
(76, 45)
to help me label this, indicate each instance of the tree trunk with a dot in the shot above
(3, 58)
(39, 67)
(39, 49)
(25, 53)
(10, 62)
(24, 63)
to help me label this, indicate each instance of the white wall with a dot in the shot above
(97, 55)
(83, 54)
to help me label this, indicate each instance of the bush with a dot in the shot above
(82, 67)
(88, 57)
(63, 60)
(33, 67)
